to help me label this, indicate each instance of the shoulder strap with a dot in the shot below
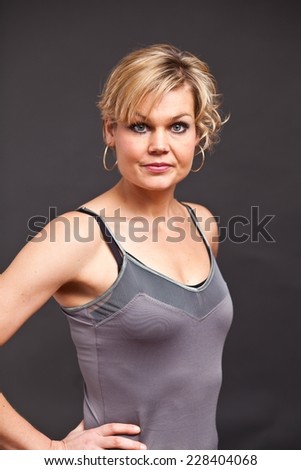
(197, 224)
(107, 236)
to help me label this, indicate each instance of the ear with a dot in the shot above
(197, 136)
(109, 128)
(197, 142)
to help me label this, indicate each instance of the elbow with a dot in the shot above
(4, 336)
(2, 341)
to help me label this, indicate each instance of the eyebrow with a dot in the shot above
(174, 118)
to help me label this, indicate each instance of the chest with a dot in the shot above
(178, 253)
(172, 248)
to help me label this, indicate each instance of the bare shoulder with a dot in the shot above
(55, 256)
(208, 224)
(61, 247)
(67, 229)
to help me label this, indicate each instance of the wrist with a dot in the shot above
(58, 445)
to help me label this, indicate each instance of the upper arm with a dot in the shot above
(38, 271)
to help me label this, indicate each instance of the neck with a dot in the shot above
(140, 201)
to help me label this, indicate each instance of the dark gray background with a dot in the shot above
(55, 56)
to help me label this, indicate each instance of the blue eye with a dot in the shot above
(179, 127)
(139, 127)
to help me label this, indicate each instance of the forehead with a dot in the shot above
(176, 102)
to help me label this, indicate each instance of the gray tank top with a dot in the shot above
(150, 352)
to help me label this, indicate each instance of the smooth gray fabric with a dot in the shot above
(150, 351)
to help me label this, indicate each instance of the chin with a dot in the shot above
(156, 182)
(157, 185)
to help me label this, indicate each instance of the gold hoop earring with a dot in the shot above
(104, 160)
(202, 153)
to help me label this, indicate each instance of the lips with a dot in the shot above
(157, 164)
(157, 167)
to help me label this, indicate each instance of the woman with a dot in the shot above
(147, 306)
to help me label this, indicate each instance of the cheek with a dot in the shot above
(127, 157)
(188, 151)
(129, 148)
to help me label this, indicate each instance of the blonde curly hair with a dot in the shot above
(156, 70)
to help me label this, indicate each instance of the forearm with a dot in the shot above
(16, 433)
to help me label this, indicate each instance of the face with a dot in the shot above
(155, 151)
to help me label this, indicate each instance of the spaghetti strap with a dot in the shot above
(197, 225)
(107, 236)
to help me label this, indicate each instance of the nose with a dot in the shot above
(158, 143)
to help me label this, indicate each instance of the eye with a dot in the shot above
(179, 127)
(139, 127)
